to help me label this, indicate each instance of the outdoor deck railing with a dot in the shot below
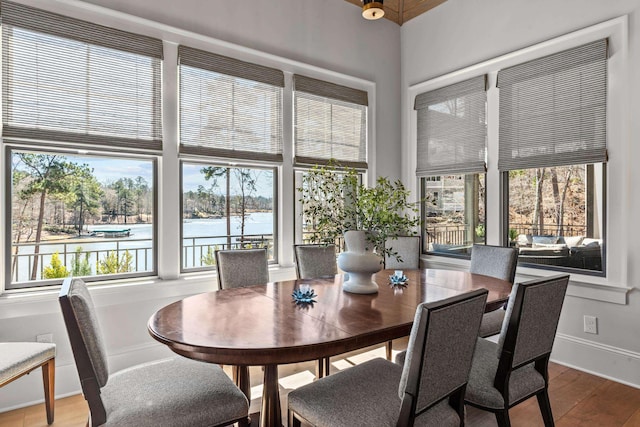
(196, 252)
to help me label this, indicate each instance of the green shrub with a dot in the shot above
(111, 264)
(80, 266)
(56, 269)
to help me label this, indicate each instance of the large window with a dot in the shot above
(545, 190)
(552, 152)
(556, 216)
(88, 90)
(451, 153)
(90, 217)
(226, 208)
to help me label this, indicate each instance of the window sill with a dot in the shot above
(45, 300)
(580, 285)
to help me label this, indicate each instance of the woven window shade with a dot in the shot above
(553, 110)
(452, 130)
(330, 123)
(73, 81)
(229, 108)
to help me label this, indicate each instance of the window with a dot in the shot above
(85, 216)
(451, 155)
(330, 124)
(73, 93)
(556, 217)
(330, 129)
(454, 213)
(318, 190)
(552, 150)
(228, 109)
(226, 208)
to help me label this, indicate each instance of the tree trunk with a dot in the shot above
(556, 200)
(36, 248)
(538, 212)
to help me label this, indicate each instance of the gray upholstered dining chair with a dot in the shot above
(408, 248)
(508, 372)
(428, 390)
(169, 392)
(313, 261)
(20, 358)
(498, 262)
(242, 267)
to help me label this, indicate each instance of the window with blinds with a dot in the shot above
(330, 123)
(553, 109)
(229, 108)
(73, 81)
(452, 129)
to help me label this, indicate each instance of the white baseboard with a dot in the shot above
(603, 360)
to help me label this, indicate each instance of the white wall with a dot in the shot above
(333, 37)
(460, 34)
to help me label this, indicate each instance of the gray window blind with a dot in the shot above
(73, 81)
(452, 129)
(553, 109)
(229, 108)
(330, 123)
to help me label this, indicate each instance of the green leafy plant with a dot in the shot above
(480, 230)
(111, 264)
(334, 201)
(55, 269)
(80, 266)
(513, 234)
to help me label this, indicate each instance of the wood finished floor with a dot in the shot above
(577, 399)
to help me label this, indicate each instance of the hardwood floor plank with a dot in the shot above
(634, 421)
(578, 399)
(611, 404)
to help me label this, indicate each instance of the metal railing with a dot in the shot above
(197, 252)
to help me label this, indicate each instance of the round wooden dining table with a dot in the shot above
(262, 325)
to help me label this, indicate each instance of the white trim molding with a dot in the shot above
(603, 360)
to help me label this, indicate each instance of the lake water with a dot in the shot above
(197, 235)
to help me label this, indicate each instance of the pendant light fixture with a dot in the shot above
(372, 9)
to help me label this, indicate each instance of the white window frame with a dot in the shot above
(609, 288)
(168, 189)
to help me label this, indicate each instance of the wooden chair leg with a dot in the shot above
(323, 367)
(545, 408)
(49, 380)
(389, 348)
(502, 417)
(293, 421)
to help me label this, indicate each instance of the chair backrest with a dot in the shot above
(530, 325)
(242, 267)
(439, 354)
(86, 342)
(494, 261)
(407, 248)
(314, 261)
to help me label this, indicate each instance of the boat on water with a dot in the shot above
(123, 232)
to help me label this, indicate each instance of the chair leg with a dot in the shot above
(545, 408)
(502, 417)
(293, 421)
(323, 367)
(49, 380)
(389, 348)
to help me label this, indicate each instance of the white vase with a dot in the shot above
(360, 262)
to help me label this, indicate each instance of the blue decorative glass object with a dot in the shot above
(304, 295)
(398, 280)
